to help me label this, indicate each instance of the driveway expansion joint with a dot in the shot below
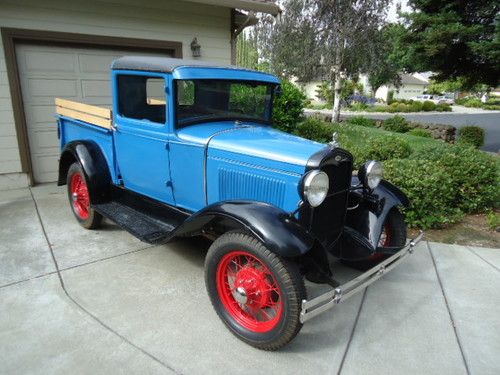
(81, 307)
(452, 320)
(351, 336)
(480, 257)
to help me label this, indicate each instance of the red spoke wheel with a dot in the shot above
(393, 235)
(256, 293)
(79, 198)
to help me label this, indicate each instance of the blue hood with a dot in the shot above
(254, 144)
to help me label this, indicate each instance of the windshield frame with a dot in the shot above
(200, 120)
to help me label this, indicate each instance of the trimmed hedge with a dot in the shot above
(472, 135)
(386, 148)
(396, 124)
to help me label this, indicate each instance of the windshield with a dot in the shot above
(203, 100)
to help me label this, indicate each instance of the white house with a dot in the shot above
(55, 48)
(411, 85)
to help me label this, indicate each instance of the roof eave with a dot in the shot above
(257, 6)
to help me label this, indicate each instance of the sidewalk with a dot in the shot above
(120, 306)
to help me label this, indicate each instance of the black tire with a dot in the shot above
(394, 222)
(282, 273)
(86, 216)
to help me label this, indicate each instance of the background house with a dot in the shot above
(63, 48)
(411, 85)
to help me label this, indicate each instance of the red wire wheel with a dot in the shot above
(80, 195)
(256, 293)
(79, 198)
(249, 291)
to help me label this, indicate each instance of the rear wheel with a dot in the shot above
(256, 293)
(393, 235)
(79, 198)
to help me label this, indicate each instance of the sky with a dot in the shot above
(392, 15)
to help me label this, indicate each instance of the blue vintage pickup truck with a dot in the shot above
(188, 149)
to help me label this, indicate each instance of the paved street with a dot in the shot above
(102, 302)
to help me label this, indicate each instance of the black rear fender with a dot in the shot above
(94, 165)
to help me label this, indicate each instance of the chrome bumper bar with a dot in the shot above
(330, 299)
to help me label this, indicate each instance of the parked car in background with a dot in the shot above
(445, 99)
(430, 98)
(188, 150)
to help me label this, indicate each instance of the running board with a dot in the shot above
(148, 220)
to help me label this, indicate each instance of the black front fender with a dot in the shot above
(275, 228)
(94, 165)
(364, 224)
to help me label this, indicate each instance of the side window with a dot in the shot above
(142, 98)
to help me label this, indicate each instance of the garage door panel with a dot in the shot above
(41, 61)
(40, 114)
(44, 142)
(52, 87)
(94, 63)
(96, 88)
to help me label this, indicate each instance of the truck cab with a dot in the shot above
(189, 149)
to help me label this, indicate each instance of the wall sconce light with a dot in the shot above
(195, 48)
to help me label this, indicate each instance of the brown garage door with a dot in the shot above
(46, 72)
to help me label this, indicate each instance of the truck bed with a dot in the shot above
(84, 112)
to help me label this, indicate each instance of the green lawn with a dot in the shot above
(358, 136)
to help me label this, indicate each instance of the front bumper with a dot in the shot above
(330, 299)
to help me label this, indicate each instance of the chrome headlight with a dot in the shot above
(371, 173)
(315, 187)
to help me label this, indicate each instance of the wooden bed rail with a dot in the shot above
(88, 113)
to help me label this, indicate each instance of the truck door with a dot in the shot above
(141, 134)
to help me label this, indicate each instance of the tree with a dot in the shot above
(386, 64)
(331, 35)
(455, 39)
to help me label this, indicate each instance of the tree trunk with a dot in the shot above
(337, 86)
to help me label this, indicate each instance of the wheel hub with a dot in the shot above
(241, 295)
(252, 287)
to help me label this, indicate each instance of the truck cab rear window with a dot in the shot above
(142, 98)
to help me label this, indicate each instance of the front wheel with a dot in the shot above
(256, 293)
(79, 198)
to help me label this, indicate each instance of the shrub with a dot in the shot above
(445, 182)
(428, 106)
(472, 135)
(443, 107)
(420, 133)
(358, 107)
(362, 121)
(288, 108)
(396, 124)
(493, 220)
(315, 129)
(475, 174)
(416, 106)
(386, 148)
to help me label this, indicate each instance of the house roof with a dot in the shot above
(264, 6)
(408, 79)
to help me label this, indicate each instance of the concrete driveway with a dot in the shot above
(101, 302)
